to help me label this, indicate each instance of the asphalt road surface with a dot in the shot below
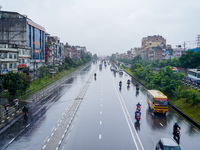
(104, 121)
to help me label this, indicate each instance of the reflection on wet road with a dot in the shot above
(105, 119)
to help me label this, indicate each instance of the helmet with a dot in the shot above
(139, 103)
(176, 124)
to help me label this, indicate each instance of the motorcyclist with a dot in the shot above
(137, 113)
(137, 87)
(175, 128)
(138, 106)
(120, 83)
(128, 81)
(25, 109)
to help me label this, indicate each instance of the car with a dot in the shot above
(167, 144)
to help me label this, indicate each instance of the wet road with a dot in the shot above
(105, 119)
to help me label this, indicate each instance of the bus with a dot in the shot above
(157, 101)
(194, 75)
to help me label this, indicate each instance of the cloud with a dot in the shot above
(109, 26)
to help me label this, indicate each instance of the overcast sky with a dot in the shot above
(110, 26)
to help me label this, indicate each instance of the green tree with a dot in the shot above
(26, 80)
(12, 82)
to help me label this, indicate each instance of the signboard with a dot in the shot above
(21, 65)
(5, 71)
(52, 70)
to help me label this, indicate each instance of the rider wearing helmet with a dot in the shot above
(175, 127)
(138, 106)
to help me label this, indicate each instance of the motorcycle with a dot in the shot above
(137, 117)
(120, 85)
(177, 135)
(25, 116)
(137, 87)
(128, 83)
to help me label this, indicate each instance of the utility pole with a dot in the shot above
(184, 46)
(198, 41)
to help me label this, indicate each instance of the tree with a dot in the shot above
(26, 80)
(12, 82)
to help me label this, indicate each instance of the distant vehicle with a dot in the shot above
(194, 75)
(157, 101)
(100, 66)
(175, 70)
(167, 144)
(120, 72)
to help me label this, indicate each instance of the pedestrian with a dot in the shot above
(16, 105)
(6, 109)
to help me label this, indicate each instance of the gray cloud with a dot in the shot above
(109, 26)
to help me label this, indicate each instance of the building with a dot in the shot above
(54, 50)
(194, 49)
(67, 50)
(17, 29)
(153, 48)
(177, 52)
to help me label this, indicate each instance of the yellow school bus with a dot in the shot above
(157, 101)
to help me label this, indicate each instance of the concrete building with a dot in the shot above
(153, 48)
(177, 52)
(15, 57)
(54, 50)
(67, 50)
(19, 30)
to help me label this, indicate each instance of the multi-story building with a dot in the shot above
(152, 47)
(54, 50)
(177, 52)
(67, 50)
(14, 57)
(19, 30)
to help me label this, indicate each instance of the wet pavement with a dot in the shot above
(101, 119)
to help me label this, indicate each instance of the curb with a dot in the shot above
(184, 115)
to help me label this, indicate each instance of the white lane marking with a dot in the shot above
(99, 136)
(100, 122)
(152, 114)
(12, 140)
(101, 99)
(48, 140)
(101, 105)
(101, 112)
(161, 124)
(128, 118)
(44, 147)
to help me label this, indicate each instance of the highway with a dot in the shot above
(103, 121)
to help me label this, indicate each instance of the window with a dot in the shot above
(10, 56)
(10, 66)
(19, 52)
(5, 55)
(23, 52)
(19, 61)
(5, 66)
(22, 61)
(15, 56)
(15, 65)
